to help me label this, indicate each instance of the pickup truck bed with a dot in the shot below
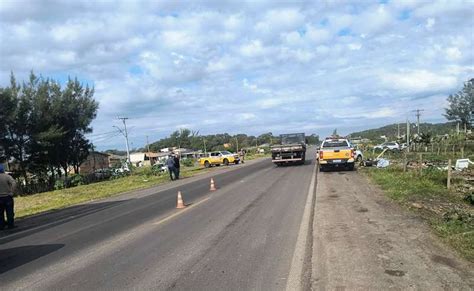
(336, 154)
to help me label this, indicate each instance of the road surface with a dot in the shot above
(265, 228)
(241, 236)
(364, 241)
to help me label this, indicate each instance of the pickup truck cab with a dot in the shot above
(219, 158)
(336, 152)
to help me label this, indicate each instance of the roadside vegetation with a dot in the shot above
(141, 178)
(423, 189)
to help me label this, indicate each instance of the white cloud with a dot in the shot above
(453, 53)
(166, 64)
(418, 81)
(430, 22)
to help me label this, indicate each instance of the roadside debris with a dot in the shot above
(383, 163)
(462, 164)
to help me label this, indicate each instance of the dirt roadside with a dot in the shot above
(362, 240)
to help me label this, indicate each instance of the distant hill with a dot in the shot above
(390, 131)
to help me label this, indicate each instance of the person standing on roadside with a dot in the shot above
(171, 167)
(7, 185)
(242, 155)
(176, 166)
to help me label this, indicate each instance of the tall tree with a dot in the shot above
(461, 104)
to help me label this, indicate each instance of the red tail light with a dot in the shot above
(321, 154)
(352, 153)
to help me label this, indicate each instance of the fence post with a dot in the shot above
(405, 161)
(449, 175)
(420, 162)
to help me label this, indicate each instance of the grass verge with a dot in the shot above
(37, 203)
(449, 216)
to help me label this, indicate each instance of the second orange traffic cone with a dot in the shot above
(180, 203)
(213, 186)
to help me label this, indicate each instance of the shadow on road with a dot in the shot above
(15, 257)
(306, 162)
(29, 225)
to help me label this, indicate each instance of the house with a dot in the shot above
(94, 161)
(116, 161)
(146, 158)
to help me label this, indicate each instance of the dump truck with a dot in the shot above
(292, 149)
(336, 152)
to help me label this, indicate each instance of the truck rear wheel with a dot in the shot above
(207, 164)
(226, 162)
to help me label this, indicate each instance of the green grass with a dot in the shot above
(142, 178)
(429, 189)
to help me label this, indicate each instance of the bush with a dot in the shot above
(187, 162)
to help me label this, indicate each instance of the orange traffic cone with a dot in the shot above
(180, 203)
(213, 187)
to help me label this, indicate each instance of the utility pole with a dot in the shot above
(125, 133)
(237, 143)
(418, 114)
(398, 131)
(204, 141)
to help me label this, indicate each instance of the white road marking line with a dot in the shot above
(296, 269)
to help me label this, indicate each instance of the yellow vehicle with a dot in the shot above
(219, 158)
(336, 152)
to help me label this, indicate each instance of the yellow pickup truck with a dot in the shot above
(336, 152)
(219, 158)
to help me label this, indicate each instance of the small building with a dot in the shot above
(94, 161)
(146, 158)
(116, 161)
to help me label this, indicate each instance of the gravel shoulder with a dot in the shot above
(362, 240)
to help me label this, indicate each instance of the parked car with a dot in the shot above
(219, 158)
(358, 155)
(403, 146)
(393, 146)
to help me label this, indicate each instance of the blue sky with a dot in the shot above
(245, 66)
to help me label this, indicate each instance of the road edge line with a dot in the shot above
(295, 277)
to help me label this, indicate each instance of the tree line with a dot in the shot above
(43, 126)
(189, 139)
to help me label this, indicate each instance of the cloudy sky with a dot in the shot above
(245, 66)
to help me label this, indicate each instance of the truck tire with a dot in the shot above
(207, 164)
(226, 162)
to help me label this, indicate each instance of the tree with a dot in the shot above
(43, 125)
(461, 105)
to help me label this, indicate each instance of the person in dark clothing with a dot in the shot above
(176, 165)
(171, 167)
(7, 185)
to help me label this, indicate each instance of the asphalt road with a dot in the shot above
(241, 236)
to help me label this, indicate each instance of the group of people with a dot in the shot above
(173, 166)
(7, 186)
